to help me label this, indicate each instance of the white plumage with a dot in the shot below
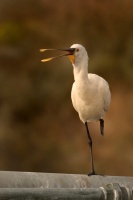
(90, 93)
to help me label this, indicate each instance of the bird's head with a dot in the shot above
(79, 55)
(76, 53)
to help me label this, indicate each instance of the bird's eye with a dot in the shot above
(77, 50)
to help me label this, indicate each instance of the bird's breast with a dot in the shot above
(87, 102)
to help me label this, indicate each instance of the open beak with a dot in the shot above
(70, 54)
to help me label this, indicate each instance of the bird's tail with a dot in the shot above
(102, 126)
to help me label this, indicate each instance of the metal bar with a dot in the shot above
(32, 186)
(48, 180)
(63, 194)
(50, 194)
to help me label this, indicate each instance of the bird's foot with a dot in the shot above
(92, 173)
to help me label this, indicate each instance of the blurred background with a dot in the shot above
(39, 129)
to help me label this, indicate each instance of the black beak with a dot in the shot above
(70, 50)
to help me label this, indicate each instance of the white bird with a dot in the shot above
(90, 93)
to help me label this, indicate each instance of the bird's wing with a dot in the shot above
(106, 96)
(103, 88)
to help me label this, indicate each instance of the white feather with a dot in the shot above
(90, 93)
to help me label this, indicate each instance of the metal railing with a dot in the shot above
(48, 186)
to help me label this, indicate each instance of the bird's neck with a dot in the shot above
(80, 73)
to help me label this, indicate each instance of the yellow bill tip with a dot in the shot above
(42, 50)
(46, 60)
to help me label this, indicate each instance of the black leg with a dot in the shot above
(101, 126)
(90, 144)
